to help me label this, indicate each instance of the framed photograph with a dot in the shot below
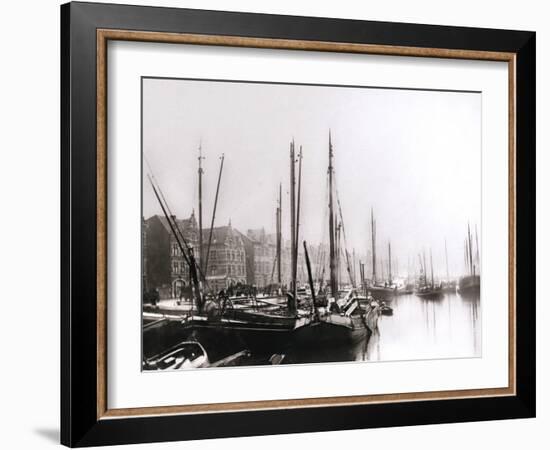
(276, 224)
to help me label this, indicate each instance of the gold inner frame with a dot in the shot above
(104, 35)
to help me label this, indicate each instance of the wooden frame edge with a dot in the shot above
(101, 223)
(103, 35)
(289, 44)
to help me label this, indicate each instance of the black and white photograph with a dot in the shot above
(291, 224)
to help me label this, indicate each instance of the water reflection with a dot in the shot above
(449, 327)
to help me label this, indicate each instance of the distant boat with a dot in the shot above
(424, 289)
(406, 289)
(469, 285)
(383, 292)
(449, 286)
(386, 290)
(429, 292)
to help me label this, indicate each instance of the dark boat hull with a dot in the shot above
(258, 335)
(379, 292)
(430, 295)
(267, 334)
(469, 286)
(325, 334)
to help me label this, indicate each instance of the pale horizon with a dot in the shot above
(413, 156)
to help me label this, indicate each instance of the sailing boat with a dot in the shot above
(343, 321)
(218, 318)
(424, 288)
(469, 284)
(380, 291)
(270, 330)
(449, 285)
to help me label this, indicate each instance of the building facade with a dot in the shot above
(261, 258)
(164, 265)
(227, 264)
(233, 258)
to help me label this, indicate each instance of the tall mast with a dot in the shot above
(201, 171)
(293, 267)
(389, 263)
(470, 252)
(446, 261)
(396, 267)
(279, 237)
(466, 253)
(188, 256)
(425, 268)
(213, 215)
(432, 268)
(310, 278)
(477, 250)
(338, 254)
(373, 238)
(354, 271)
(333, 286)
(297, 220)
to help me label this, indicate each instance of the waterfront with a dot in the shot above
(448, 327)
(276, 238)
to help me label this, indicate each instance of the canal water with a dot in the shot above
(448, 327)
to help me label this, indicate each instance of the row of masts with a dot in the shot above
(471, 262)
(203, 258)
(294, 213)
(336, 232)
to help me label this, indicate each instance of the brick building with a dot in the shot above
(165, 268)
(261, 253)
(227, 262)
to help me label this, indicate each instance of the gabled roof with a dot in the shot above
(183, 224)
(221, 235)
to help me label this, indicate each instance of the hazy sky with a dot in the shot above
(414, 156)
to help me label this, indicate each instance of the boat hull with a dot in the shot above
(261, 333)
(328, 334)
(379, 292)
(430, 295)
(469, 286)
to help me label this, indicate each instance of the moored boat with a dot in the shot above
(425, 289)
(469, 285)
(343, 321)
(185, 355)
(429, 292)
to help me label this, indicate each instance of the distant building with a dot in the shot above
(227, 257)
(261, 254)
(164, 266)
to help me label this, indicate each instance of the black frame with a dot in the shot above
(79, 423)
